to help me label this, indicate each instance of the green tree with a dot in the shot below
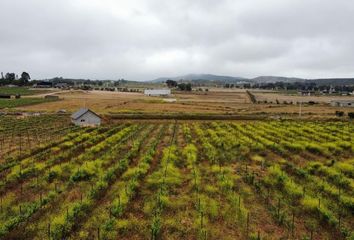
(25, 77)
(171, 83)
(351, 115)
(185, 86)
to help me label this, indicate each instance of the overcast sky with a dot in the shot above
(146, 39)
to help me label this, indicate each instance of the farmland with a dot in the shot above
(177, 180)
(24, 91)
(13, 103)
(215, 101)
(20, 102)
(19, 136)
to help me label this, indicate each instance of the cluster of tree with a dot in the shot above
(300, 86)
(231, 85)
(171, 83)
(185, 86)
(88, 82)
(13, 79)
(341, 114)
(180, 86)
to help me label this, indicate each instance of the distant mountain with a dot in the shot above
(209, 79)
(273, 79)
(202, 78)
(320, 81)
(212, 80)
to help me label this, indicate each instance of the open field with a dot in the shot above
(297, 98)
(182, 180)
(216, 101)
(14, 103)
(118, 102)
(22, 91)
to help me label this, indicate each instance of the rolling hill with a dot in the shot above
(219, 79)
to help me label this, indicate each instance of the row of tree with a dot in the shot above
(342, 114)
(12, 79)
(299, 86)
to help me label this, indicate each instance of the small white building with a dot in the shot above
(85, 117)
(342, 103)
(157, 92)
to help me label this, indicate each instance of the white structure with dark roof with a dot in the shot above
(157, 92)
(85, 117)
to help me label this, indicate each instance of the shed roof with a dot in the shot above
(81, 112)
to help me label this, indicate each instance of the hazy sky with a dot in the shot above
(146, 39)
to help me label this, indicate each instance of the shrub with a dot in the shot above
(209, 206)
(155, 227)
(348, 202)
(316, 148)
(344, 145)
(292, 146)
(67, 145)
(339, 113)
(97, 191)
(310, 204)
(346, 168)
(81, 175)
(275, 177)
(333, 147)
(210, 189)
(51, 176)
(190, 153)
(294, 190)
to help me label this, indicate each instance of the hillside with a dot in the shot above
(272, 79)
(202, 78)
(218, 79)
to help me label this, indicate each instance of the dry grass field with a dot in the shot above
(272, 96)
(121, 102)
(216, 101)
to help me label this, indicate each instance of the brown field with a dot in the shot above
(271, 96)
(216, 101)
(120, 102)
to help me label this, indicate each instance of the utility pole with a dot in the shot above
(300, 110)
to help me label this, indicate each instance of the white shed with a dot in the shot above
(157, 92)
(85, 117)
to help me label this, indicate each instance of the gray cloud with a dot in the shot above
(137, 39)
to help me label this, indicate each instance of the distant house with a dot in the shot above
(85, 117)
(43, 85)
(157, 92)
(342, 103)
(306, 92)
(61, 85)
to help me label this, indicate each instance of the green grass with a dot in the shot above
(13, 103)
(20, 90)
